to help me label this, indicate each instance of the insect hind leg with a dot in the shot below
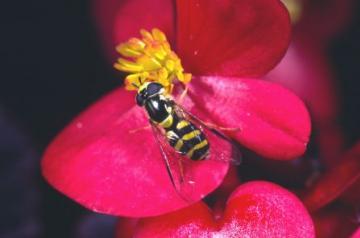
(220, 128)
(140, 129)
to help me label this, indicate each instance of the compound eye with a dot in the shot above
(140, 100)
(154, 88)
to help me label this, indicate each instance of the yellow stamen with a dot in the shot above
(150, 59)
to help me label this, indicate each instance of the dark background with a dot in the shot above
(51, 67)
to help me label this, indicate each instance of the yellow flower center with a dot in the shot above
(150, 59)
(295, 9)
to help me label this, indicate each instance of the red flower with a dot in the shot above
(97, 162)
(255, 209)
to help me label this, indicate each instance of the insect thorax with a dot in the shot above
(159, 109)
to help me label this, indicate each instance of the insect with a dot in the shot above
(180, 135)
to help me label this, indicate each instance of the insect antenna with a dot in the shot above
(139, 78)
(135, 85)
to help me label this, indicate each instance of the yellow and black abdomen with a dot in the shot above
(188, 140)
(181, 134)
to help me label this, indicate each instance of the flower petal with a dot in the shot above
(233, 37)
(305, 71)
(271, 120)
(256, 209)
(142, 14)
(356, 234)
(265, 209)
(334, 181)
(120, 20)
(101, 164)
(192, 221)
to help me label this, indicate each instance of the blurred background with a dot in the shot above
(53, 66)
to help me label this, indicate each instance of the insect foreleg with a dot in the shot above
(183, 94)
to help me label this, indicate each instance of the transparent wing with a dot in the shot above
(189, 176)
(212, 131)
(177, 165)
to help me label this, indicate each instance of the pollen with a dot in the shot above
(150, 59)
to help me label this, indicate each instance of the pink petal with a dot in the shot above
(272, 121)
(99, 163)
(256, 209)
(334, 181)
(192, 221)
(265, 209)
(306, 71)
(232, 37)
(356, 234)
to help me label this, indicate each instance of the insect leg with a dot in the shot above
(211, 125)
(181, 171)
(183, 94)
(139, 129)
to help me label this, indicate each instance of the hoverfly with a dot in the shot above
(182, 137)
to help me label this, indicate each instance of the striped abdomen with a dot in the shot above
(187, 139)
(181, 134)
